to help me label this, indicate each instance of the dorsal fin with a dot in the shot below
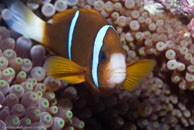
(66, 13)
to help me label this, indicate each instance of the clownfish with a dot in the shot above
(86, 48)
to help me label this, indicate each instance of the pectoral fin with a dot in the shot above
(136, 72)
(64, 69)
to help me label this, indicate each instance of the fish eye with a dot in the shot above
(102, 56)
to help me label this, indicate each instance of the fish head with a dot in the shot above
(108, 71)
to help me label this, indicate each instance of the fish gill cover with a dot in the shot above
(164, 100)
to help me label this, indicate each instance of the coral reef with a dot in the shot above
(184, 7)
(162, 101)
(191, 27)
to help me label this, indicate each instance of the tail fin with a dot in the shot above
(24, 21)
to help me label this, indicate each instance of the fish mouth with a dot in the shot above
(116, 76)
(110, 73)
(118, 71)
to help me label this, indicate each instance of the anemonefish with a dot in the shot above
(87, 48)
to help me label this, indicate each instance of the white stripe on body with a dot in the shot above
(98, 43)
(71, 30)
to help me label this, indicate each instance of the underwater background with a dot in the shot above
(162, 30)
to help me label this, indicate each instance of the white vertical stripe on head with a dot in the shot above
(71, 30)
(98, 43)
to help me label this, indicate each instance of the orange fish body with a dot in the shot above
(87, 26)
(87, 48)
